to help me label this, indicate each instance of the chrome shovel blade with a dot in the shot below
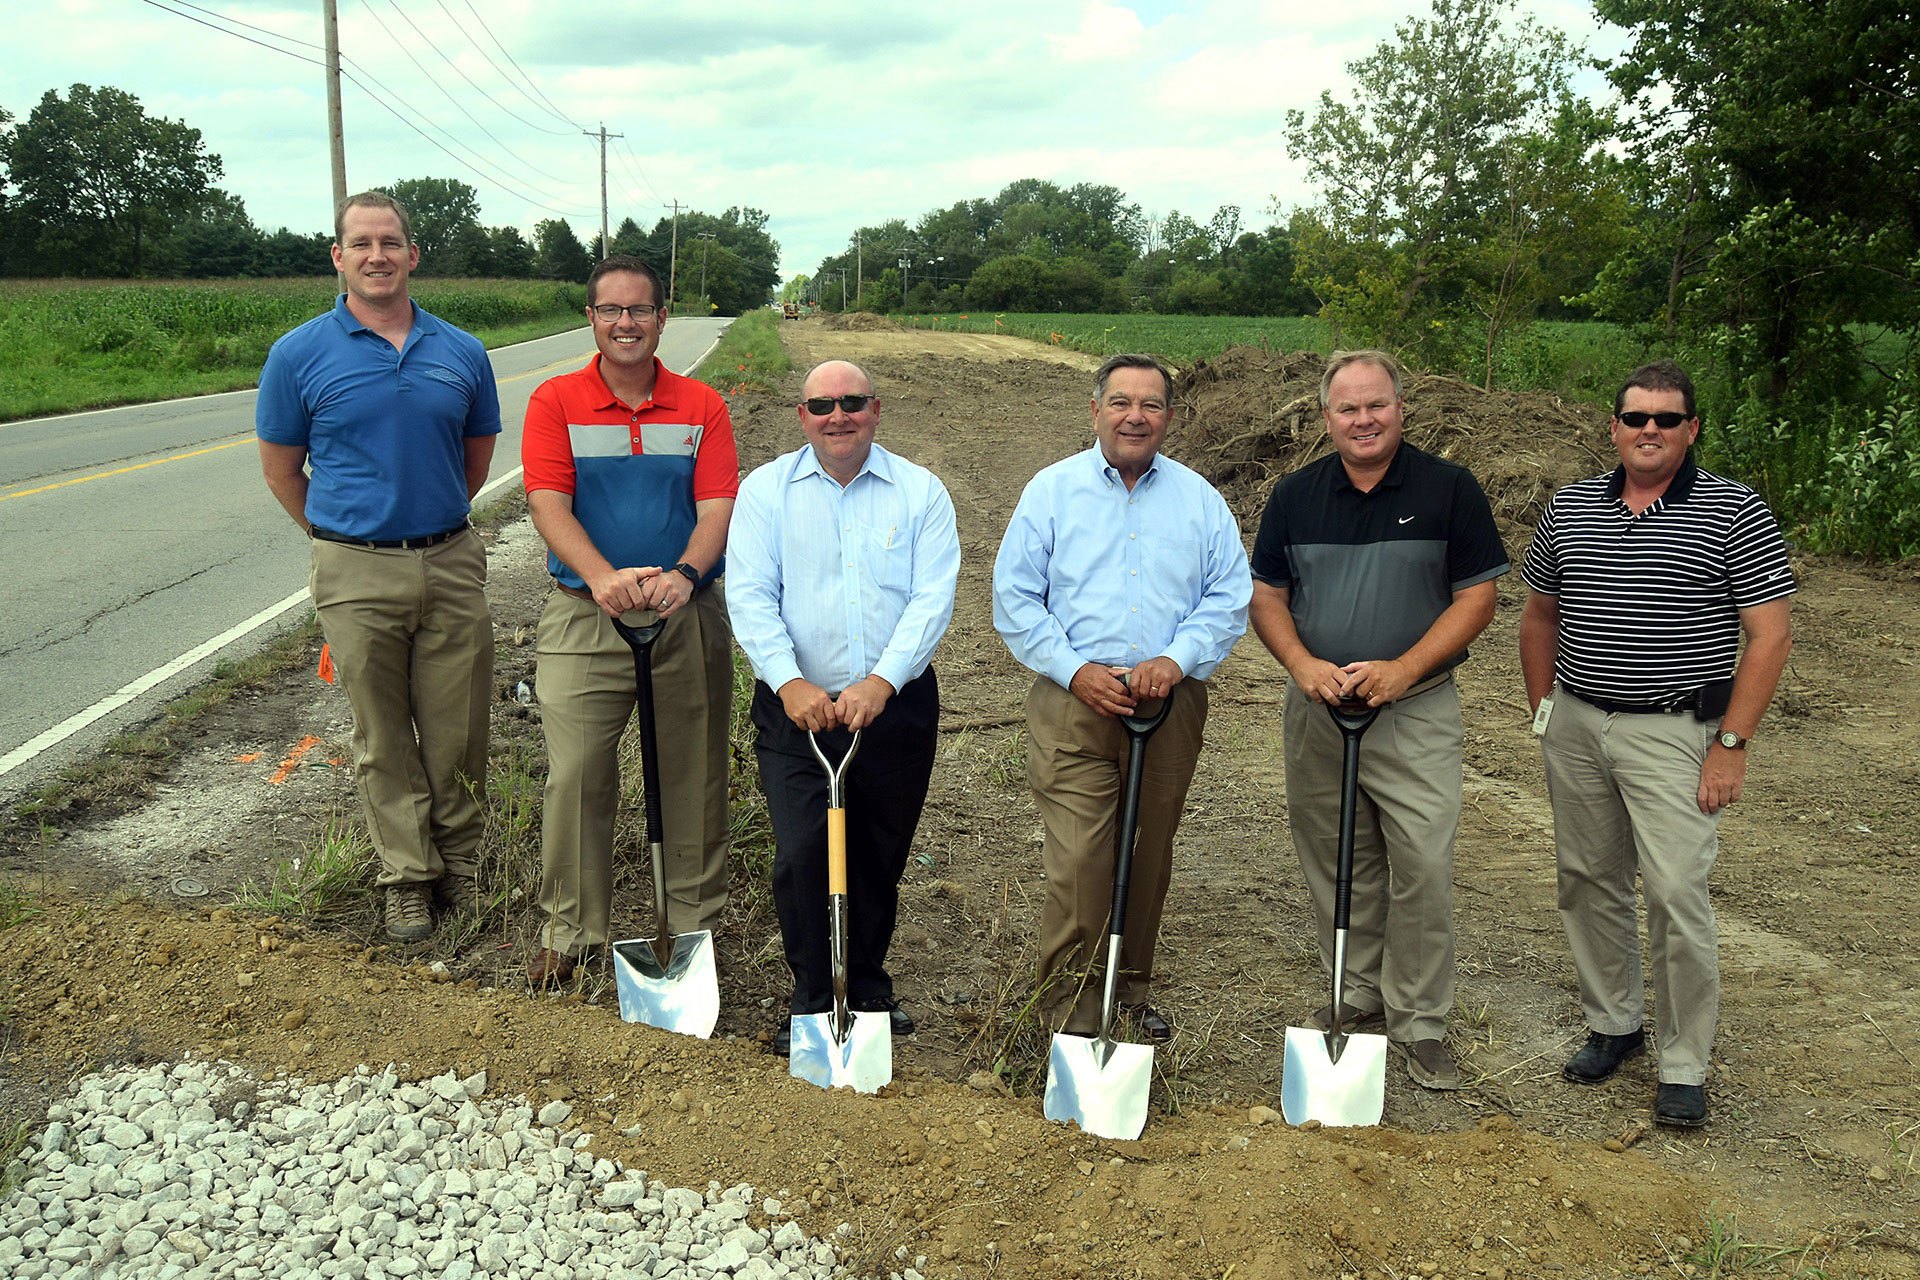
(863, 1063)
(1108, 1100)
(682, 996)
(1350, 1091)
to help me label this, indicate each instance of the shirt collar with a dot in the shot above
(879, 465)
(666, 392)
(423, 321)
(1396, 471)
(1109, 474)
(1678, 489)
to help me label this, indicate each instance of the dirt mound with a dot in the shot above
(859, 322)
(1252, 415)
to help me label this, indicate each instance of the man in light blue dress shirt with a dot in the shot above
(1121, 577)
(841, 568)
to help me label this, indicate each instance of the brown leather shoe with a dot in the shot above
(550, 969)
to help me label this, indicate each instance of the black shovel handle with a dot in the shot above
(1139, 729)
(640, 639)
(1354, 719)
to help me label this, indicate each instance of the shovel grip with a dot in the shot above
(837, 852)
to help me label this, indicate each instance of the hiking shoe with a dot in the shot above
(1366, 1022)
(550, 968)
(457, 895)
(1431, 1064)
(1602, 1055)
(410, 912)
(1684, 1106)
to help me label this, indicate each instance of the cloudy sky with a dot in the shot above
(827, 115)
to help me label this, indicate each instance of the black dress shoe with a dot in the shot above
(1602, 1055)
(1683, 1106)
(1152, 1023)
(783, 1039)
(899, 1021)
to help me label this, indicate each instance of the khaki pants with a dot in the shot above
(1077, 766)
(1624, 791)
(1400, 946)
(412, 645)
(586, 690)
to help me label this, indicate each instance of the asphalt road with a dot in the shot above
(139, 545)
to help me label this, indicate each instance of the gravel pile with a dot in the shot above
(195, 1169)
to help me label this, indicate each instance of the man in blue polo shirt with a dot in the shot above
(1374, 569)
(631, 474)
(377, 424)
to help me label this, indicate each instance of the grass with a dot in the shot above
(1180, 340)
(15, 907)
(1725, 1252)
(326, 879)
(748, 357)
(67, 345)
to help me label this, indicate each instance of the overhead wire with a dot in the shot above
(470, 80)
(543, 99)
(624, 152)
(236, 35)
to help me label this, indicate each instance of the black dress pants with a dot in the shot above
(883, 792)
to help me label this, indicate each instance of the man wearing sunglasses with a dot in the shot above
(845, 558)
(1120, 581)
(1374, 569)
(631, 473)
(1641, 584)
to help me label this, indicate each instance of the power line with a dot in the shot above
(235, 34)
(248, 25)
(632, 162)
(544, 100)
(470, 81)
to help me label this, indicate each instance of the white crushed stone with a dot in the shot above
(180, 1171)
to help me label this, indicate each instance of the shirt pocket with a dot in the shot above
(888, 555)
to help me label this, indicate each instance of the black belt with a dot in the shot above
(1611, 707)
(390, 544)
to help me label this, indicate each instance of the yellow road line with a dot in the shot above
(121, 471)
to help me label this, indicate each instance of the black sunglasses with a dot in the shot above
(821, 406)
(1664, 421)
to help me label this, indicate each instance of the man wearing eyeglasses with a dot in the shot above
(844, 562)
(1641, 585)
(1374, 569)
(377, 424)
(631, 473)
(1120, 581)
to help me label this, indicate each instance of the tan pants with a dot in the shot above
(1624, 791)
(586, 683)
(412, 646)
(1076, 764)
(1400, 946)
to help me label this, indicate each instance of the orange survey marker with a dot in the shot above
(325, 670)
(292, 762)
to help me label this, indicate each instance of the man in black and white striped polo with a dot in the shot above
(1642, 583)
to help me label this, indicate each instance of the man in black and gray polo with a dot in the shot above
(1373, 570)
(1641, 585)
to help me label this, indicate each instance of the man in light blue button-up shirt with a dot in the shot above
(1121, 577)
(840, 577)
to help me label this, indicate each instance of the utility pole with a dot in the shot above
(706, 237)
(603, 135)
(673, 254)
(905, 262)
(859, 266)
(336, 134)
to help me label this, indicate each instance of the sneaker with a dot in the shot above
(1684, 1106)
(1366, 1022)
(457, 895)
(410, 912)
(1431, 1064)
(1602, 1055)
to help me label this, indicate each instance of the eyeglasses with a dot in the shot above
(821, 406)
(640, 311)
(1665, 421)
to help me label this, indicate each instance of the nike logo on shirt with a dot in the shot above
(1405, 519)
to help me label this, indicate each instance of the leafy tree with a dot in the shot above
(509, 254)
(217, 239)
(288, 253)
(558, 253)
(1013, 283)
(628, 238)
(440, 209)
(99, 179)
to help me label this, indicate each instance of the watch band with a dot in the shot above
(1730, 740)
(693, 574)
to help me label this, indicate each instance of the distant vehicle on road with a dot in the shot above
(790, 311)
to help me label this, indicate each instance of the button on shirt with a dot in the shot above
(834, 584)
(1090, 572)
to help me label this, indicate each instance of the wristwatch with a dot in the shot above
(693, 574)
(1731, 740)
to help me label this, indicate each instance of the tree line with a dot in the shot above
(92, 185)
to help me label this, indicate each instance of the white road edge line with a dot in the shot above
(74, 723)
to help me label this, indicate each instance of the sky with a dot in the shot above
(827, 115)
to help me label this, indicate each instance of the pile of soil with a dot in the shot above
(1253, 414)
(857, 322)
(1815, 1088)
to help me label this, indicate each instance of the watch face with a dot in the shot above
(1732, 741)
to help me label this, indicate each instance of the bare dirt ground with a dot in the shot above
(1816, 1089)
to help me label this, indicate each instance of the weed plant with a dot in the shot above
(329, 878)
(67, 345)
(748, 357)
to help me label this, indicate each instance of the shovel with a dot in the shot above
(664, 981)
(1096, 1082)
(843, 1047)
(1332, 1076)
